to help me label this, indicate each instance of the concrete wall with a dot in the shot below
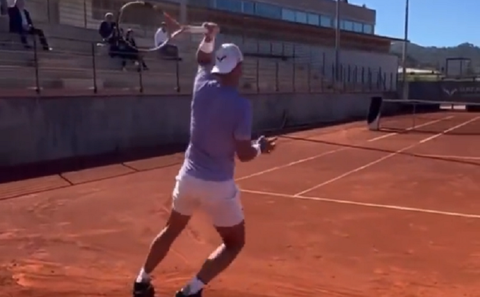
(54, 128)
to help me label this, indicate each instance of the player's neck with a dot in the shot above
(227, 83)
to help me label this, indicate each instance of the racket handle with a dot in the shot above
(196, 29)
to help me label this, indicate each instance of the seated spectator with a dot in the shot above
(21, 23)
(169, 50)
(128, 51)
(107, 28)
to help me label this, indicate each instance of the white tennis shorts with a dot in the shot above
(219, 200)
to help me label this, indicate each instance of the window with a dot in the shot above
(325, 21)
(301, 17)
(288, 15)
(229, 5)
(367, 28)
(268, 10)
(248, 7)
(357, 27)
(202, 3)
(313, 19)
(346, 25)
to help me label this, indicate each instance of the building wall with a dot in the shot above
(313, 12)
(328, 7)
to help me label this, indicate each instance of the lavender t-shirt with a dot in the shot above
(219, 116)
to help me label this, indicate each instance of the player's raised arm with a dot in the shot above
(207, 45)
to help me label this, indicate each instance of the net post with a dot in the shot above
(414, 113)
(374, 113)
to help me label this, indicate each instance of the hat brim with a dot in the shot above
(223, 69)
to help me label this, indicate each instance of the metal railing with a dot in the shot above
(90, 70)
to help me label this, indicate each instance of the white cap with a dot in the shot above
(227, 58)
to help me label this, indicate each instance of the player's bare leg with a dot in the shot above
(158, 250)
(233, 242)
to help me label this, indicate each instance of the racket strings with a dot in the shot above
(144, 16)
(148, 17)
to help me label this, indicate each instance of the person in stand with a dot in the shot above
(130, 51)
(169, 50)
(21, 23)
(107, 29)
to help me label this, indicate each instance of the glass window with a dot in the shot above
(268, 10)
(346, 25)
(357, 27)
(229, 5)
(367, 28)
(313, 19)
(203, 3)
(288, 15)
(301, 17)
(248, 7)
(325, 21)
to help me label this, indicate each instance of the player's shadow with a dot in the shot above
(437, 158)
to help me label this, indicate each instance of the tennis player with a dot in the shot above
(220, 128)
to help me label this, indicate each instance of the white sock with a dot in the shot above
(143, 277)
(193, 287)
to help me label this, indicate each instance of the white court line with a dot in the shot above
(372, 205)
(332, 152)
(411, 128)
(408, 129)
(466, 158)
(449, 130)
(385, 157)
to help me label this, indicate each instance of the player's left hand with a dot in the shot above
(213, 29)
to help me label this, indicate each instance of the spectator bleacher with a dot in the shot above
(78, 66)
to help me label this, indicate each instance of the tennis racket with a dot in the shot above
(147, 14)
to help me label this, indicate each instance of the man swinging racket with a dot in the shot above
(220, 128)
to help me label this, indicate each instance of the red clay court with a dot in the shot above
(340, 211)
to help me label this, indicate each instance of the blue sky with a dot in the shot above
(432, 22)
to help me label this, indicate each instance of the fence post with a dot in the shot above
(277, 83)
(355, 78)
(349, 74)
(294, 70)
(369, 79)
(384, 80)
(322, 80)
(49, 14)
(37, 71)
(309, 82)
(379, 78)
(140, 77)
(85, 13)
(177, 74)
(363, 79)
(257, 70)
(94, 69)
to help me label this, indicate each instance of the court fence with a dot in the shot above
(263, 72)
